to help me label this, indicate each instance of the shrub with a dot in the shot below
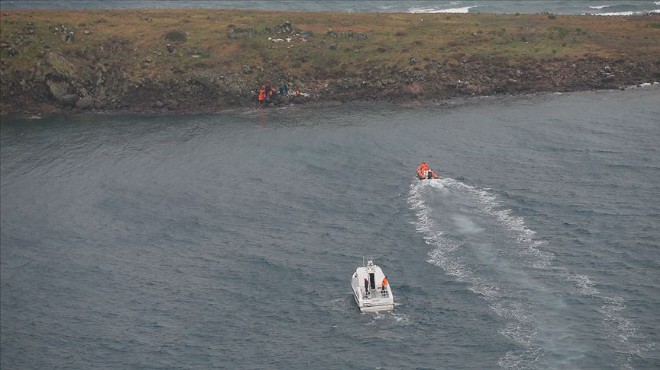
(176, 36)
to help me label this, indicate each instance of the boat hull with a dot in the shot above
(426, 175)
(368, 292)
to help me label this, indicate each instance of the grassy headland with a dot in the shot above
(199, 60)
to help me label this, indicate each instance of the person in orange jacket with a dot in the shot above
(262, 95)
(423, 169)
(384, 284)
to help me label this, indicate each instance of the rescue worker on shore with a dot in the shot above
(262, 95)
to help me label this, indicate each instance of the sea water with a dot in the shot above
(228, 240)
(620, 7)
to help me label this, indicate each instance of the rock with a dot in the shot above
(59, 89)
(285, 27)
(234, 32)
(86, 102)
(69, 100)
(10, 50)
(473, 89)
(60, 65)
(170, 48)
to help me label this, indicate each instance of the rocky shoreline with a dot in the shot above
(65, 76)
(49, 90)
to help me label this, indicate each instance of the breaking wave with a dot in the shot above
(462, 10)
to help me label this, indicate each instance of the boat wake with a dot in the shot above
(484, 245)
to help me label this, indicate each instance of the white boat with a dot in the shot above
(368, 290)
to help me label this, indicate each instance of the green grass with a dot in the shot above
(135, 42)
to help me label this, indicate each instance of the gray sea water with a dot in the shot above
(228, 240)
(596, 7)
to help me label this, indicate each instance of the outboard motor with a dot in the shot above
(430, 175)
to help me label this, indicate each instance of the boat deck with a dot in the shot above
(374, 294)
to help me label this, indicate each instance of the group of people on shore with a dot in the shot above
(267, 94)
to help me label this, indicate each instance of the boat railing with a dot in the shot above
(375, 293)
(369, 293)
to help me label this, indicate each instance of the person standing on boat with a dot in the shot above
(366, 286)
(384, 284)
(423, 169)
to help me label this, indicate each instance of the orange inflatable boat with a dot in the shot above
(424, 172)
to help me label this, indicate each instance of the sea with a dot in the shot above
(228, 240)
(595, 7)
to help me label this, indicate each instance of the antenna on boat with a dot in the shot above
(362, 261)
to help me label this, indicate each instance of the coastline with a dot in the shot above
(197, 61)
(453, 102)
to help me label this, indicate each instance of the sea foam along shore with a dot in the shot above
(184, 60)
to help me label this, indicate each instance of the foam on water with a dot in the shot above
(521, 311)
(514, 225)
(522, 328)
(462, 10)
(466, 226)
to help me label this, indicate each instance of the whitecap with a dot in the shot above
(521, 360)
(599, 6)
(583, 284)
(614, 14)
(463, 10)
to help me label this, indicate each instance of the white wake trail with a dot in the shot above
(453, 233)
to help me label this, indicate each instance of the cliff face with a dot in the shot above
(182, 61)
